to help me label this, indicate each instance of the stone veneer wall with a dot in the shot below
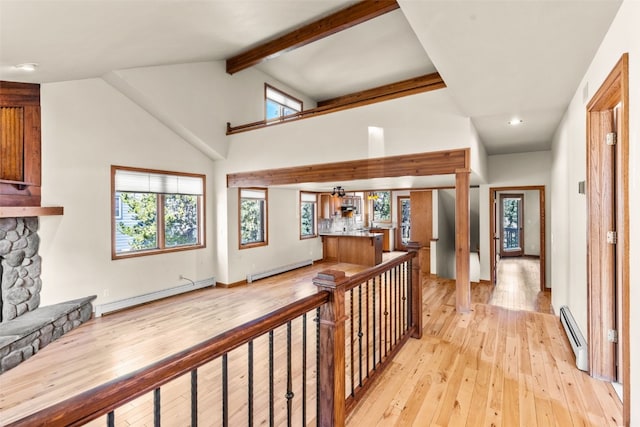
(20, 267)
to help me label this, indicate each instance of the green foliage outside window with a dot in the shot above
(251, 221)
(180, 220)
(143, 227)
(141, 224)
(307, 219)
(382, 206)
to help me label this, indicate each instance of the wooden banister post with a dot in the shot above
(332, 349)
(416, 291)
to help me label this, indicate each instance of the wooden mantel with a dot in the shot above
(27, 211)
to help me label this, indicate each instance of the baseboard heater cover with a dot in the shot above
(109, 307)
(576, 339)
(261, 275)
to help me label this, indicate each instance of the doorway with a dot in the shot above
(404, 223)
(496, 226)
(608, 231)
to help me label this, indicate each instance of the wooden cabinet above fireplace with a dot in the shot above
(20, 158)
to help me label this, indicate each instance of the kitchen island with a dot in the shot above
(354, 247)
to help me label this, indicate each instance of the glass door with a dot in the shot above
(512, 214)
(404, 222)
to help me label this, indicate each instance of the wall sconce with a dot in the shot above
(338, 191)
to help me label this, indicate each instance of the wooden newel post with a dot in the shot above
(416, 290)
(332, 349)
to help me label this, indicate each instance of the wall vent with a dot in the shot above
(152, 296)
(576, 339)
(261, 275)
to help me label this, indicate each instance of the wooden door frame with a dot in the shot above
(601, 297)
(493, 191)
(520, 222)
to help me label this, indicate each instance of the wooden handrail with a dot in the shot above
(100, 400)
(372, 272)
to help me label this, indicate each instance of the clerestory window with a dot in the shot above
(279, 104)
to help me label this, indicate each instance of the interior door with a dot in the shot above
(512, 224)
(403, 232)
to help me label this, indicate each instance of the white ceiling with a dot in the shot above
(498, 58)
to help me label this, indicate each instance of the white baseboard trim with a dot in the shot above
(109, 307)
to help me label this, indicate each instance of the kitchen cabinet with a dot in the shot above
(387, 237)
(363, 248)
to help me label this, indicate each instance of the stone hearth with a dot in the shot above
(25, 327)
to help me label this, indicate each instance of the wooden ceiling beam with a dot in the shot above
(420, 164)
(324, 27)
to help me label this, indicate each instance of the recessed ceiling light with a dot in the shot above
(515, 122)
(27, 66)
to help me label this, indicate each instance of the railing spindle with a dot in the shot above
(352, 367)
(225, 390)
(156, 407)
(360, 334)
(271, 405)
(290, 394)
(250, 384)
(111, 419)
(304, 369)
(194, 398)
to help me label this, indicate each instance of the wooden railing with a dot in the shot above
(360, 323)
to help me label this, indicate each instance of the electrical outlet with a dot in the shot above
(181, 277)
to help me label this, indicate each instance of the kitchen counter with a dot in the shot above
(351, 233)
(354, 247)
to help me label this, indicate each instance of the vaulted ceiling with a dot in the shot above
(499, 59)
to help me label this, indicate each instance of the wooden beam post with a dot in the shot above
(416, 291)
(463, 284)
(332, 349)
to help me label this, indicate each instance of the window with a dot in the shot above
(253, 217)
(117, 206)
(278, 104)
(155, 211)
(308, 215)
(381, 205)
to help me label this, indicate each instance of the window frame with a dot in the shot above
(160, 214)
(265, 219)
(281, 117)
(314, 214)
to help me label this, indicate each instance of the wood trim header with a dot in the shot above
(316, 30)
(420, 164)
(14, 94)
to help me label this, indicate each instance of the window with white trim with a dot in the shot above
(308, 215)
(278, 104)
(252, 217)
(155, 211)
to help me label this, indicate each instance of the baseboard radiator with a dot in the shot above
(261, 275)
(109, 307)
(576, 339)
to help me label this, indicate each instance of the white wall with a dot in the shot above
(510, 170)
(87, 126)
(446, 245)
(569, 166)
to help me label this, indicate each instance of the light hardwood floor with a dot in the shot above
(491, 367)
(518, 285)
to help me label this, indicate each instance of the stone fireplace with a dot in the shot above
(19, 267)
(25, 327)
